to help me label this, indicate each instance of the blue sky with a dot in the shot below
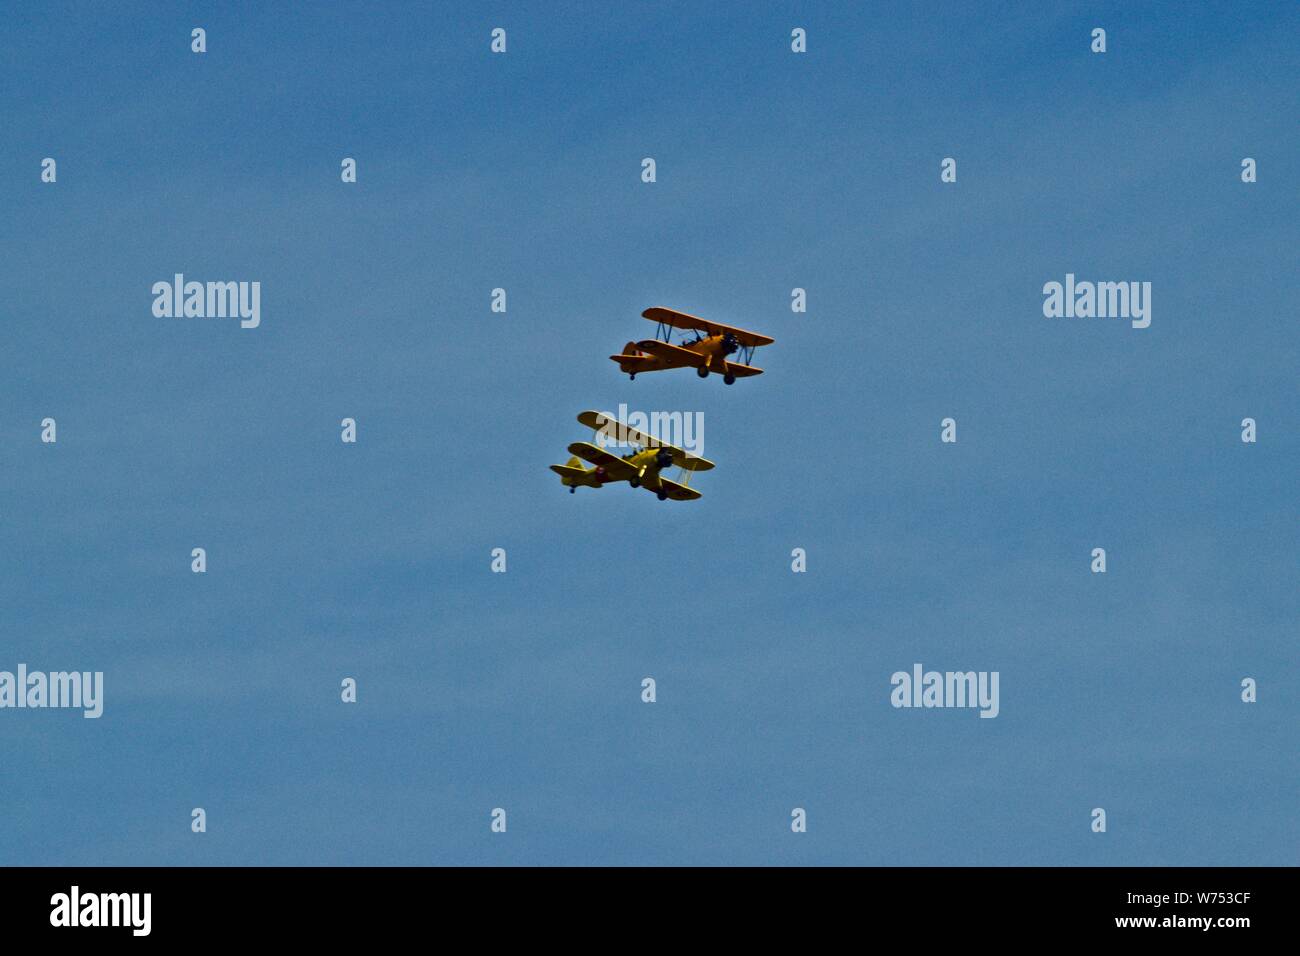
(522, 690)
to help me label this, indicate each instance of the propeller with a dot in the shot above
(664, 459)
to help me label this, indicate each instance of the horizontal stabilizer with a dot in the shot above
(567, 471)
(635, 363)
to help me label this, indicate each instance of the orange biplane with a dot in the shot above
(707, 352)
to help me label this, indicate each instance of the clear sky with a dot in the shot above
(522, 690)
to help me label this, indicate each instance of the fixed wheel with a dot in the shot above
(631, 376)
(634, 482)
(702, 372)
(663, 496)
(729, 379)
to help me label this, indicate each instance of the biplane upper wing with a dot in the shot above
(680, 320)
(619, 431)
(598, 421)
(684, 459)
(677, 492)
(616, 469)
(673, 355)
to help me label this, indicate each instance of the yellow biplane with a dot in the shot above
(642, 467)
(707, 352)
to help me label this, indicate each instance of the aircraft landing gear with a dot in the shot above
(634, 481)
(729, 379)
(573, 490)
(663, 496)
(631, 376)
(702, 372)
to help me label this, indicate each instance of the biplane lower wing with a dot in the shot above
(741, 371)
(616, 469)
(674, 355)
(678, 492)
